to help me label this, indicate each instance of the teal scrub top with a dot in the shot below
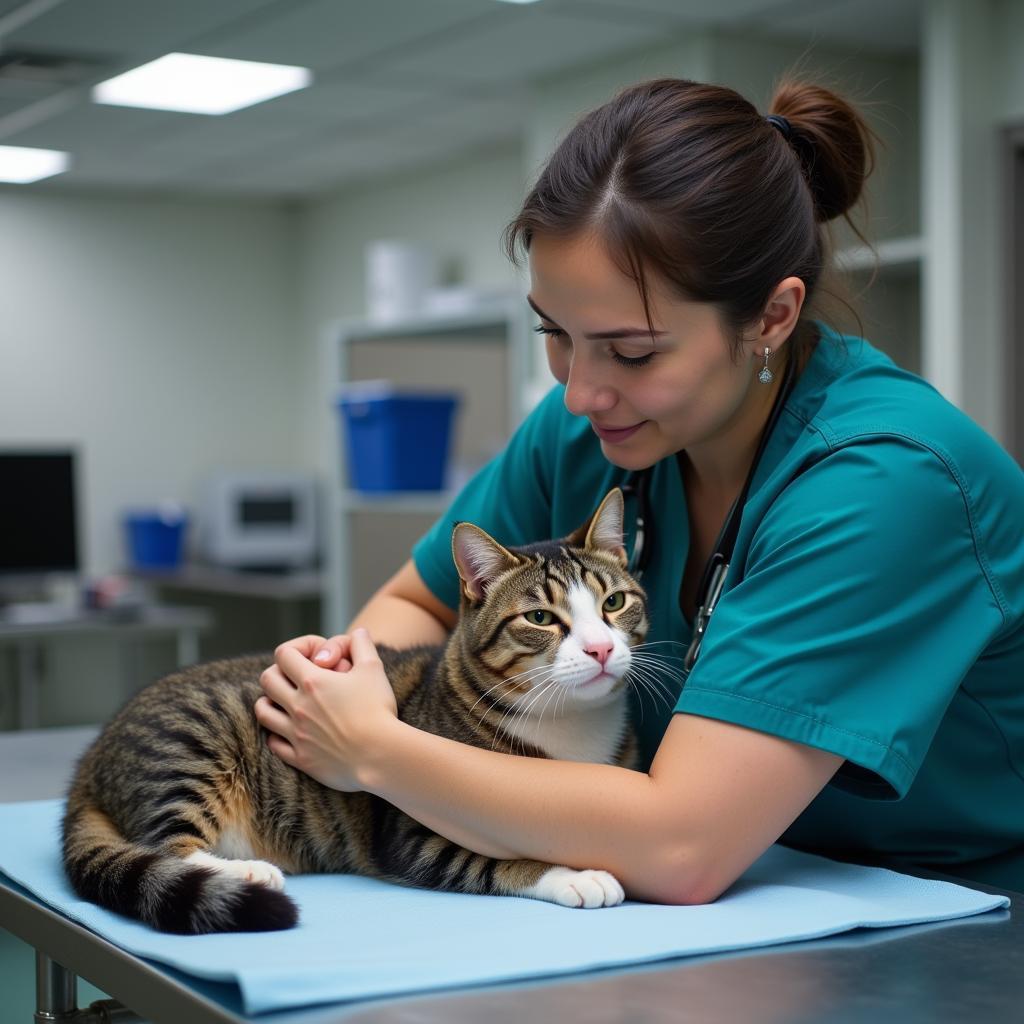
(874, 607)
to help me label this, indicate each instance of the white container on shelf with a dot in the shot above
(398, 277)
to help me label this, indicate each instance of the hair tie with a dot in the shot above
(782, 124)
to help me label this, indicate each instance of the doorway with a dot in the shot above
(1013, 163)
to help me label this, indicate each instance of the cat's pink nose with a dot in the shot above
(601, 650)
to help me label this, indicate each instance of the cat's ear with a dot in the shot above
(479, 559)
(603, 531)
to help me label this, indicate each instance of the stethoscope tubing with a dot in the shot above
(717, 566)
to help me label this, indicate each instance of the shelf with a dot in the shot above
(891, 253)
(240, 582)
(369, 535)
(490, 315)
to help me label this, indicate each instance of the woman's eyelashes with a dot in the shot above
(634, 361)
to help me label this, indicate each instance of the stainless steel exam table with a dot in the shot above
(944, 972)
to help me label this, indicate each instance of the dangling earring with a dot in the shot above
(766, 376)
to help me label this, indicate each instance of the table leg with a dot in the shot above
(56, 990)
(57, 999)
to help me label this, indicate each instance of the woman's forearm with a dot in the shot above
(398, 622)
(500, 805)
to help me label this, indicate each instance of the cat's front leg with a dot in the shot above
(556, 884)
(420, 857)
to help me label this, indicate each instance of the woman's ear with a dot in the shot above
(780, 316)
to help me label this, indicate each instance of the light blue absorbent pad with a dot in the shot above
(359, 938)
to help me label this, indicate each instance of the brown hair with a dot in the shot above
(692, 183)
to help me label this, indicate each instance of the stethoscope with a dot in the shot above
(717, 567)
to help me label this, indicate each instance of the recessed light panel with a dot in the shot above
(21, 165)
(200, 85)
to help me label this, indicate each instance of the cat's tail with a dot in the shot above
(165, 892)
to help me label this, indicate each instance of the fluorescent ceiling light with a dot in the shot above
(22, 165)
(200, 85)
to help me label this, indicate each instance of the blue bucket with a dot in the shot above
(397, 441)
(156, 539)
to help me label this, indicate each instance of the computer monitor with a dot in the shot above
(38, 517)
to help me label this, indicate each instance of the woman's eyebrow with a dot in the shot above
(619, 332)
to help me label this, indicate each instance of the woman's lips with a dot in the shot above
(615, 436)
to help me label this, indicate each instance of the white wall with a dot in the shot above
(158, 336)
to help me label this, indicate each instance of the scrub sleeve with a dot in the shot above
(862, 606)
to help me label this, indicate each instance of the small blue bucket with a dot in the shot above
(156, 539)
(397, 441)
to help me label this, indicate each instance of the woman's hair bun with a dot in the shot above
(834, 143)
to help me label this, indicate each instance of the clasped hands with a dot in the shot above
(326, 715)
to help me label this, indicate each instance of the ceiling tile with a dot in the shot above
(326, 34)
(7, 6)
(521, 48)
(337, 102)
(88, 127)
(855, 22)
(113, 27)
(335, 162)
(679, 11)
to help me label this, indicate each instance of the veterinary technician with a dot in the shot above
(859, 688)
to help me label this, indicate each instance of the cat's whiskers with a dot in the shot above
(652, 684)
(641, 688)
(526, 711)
(660, 666)
(501, 682)
(657, 656)
(510, 681)
(522, 712)
(554, 690)
(522, 707)
(645, 670)
(657, 674)
(539, 718)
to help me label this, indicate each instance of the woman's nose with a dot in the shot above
(584, 395)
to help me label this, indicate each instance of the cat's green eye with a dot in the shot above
(614, 602)
(540, 617)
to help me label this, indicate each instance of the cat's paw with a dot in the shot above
(259, 871)
(570, 888)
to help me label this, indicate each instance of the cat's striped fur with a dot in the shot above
(178, 810)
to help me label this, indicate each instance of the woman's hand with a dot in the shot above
(327, 722)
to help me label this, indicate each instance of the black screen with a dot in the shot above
(37, 512)
(268, 510)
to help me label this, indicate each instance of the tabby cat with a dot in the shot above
(178, 812)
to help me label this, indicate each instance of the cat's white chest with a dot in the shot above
(591, 734)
